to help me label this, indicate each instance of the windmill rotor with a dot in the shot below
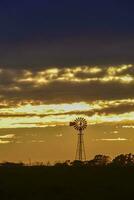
(80, 123)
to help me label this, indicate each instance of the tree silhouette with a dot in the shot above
(124, 160)
(11, 164)
(62, 164)
(100, 160)
(77, 163)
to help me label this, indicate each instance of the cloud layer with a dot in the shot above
(58, 85)
(56, 95)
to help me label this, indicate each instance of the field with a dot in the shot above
(66, 183)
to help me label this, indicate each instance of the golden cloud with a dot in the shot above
(54, 96)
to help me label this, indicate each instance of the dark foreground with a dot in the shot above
(66, 183)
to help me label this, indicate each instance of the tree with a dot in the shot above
(100, 160)
(124, 160)
(12, 164)
(62, 164)
(77, 163)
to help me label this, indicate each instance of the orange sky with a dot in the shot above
(37, 106)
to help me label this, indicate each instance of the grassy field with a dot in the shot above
(66, 183)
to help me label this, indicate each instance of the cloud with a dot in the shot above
(59, 135)
(111, 139)
(5, 141)
(128, 126)
(37, 141)
(58, 85)
(3, 138)
(43, 110)
(8, 136)
(115, 131)
(57, 94)
(43, 115)
(116, 109)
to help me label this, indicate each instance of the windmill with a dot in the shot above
(80, 124)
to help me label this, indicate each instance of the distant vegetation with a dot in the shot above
(122, 160)
(97, 179)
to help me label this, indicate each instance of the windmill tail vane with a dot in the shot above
(72, 123)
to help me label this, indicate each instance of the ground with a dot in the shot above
(66, 183)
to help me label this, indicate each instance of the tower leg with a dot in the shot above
(80, 151)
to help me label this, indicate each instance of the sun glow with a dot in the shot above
(43, 115)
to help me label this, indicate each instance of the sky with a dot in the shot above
(60, 60)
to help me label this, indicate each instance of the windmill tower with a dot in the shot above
(80, 124)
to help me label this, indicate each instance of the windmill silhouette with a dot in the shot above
(80, 124)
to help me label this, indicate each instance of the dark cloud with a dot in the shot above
(129, 71)
(111, 109)
(41, 33)
(58, 92)
(84, 75)
(114, 109)
(118, 109)
(15, 86)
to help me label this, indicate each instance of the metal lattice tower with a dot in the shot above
(80, 124)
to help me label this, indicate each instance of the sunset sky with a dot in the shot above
(60, 60)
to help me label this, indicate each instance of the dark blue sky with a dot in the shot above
(66, 32)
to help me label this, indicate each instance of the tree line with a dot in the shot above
(100, 160)
(122, 160)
